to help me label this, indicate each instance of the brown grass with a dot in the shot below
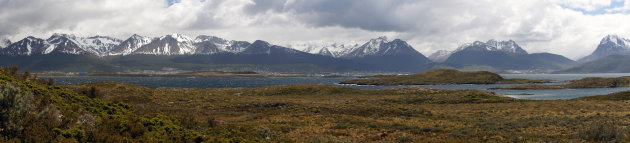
(318, 113)
(443, 76)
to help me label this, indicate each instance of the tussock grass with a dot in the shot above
(442, 76)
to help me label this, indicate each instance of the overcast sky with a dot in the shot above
(572, 28)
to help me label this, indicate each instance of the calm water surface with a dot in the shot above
(231, 82)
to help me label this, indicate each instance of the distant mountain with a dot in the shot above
(66, 44)
(508, 47)
(27, 46)
(394, 55)
(175, 44)
(212, 45)
(66, 52)
(264, 53)
(99, 45)
(609, 45)
(608, 64)
(440, 56)
(504, 55)
(130, 45)
(207, 52)
(333, 50)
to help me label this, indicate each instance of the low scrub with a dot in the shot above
(443, 76)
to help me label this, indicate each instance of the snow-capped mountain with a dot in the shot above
(212, 44)
(504, 55)
(130, 45)
(380, 46)
(373, 47)
(262, 47)
(99, 45)
(27, 46)
(440, 55)
(64, 43)
(609, 45)
(4, 43)
(175, 44)
(492, 45)
(333, 50)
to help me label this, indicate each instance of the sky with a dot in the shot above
(572, 28)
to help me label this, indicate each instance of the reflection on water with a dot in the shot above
(249, 82)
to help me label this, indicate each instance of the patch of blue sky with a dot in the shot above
(172, 2)
(602, 10)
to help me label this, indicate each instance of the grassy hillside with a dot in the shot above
(443, 76)
(34, 110)
(617, 96)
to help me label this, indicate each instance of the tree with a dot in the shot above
(51, 81)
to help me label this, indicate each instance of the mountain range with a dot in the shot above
(203, 52)
(499, 56)
(66, 52)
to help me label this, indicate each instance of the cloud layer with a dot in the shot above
(570, 28)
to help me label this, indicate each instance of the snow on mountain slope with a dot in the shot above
(64, 43)
(440, 55)
(98, 45)
(370, 48)
(492, 45)
(609, 45)
(213, 44)
(337, 50)
(27, 46)
(130, 45)
(175, 44)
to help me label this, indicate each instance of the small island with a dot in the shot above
(589, 82)
(442, 76)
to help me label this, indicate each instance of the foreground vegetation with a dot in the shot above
(589, 82)
(442, 76)
(120, 112)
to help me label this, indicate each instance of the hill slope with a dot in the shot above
(609, 64)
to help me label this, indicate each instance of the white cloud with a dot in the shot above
(428, 25)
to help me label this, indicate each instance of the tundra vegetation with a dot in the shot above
(35, 110)
(589, 82)
(442, 76)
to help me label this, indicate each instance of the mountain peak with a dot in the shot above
(614, 39)
(509, 46)
(611, 44)
(135, 35)
(440, 55)
(261, 42)
(179, 37)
